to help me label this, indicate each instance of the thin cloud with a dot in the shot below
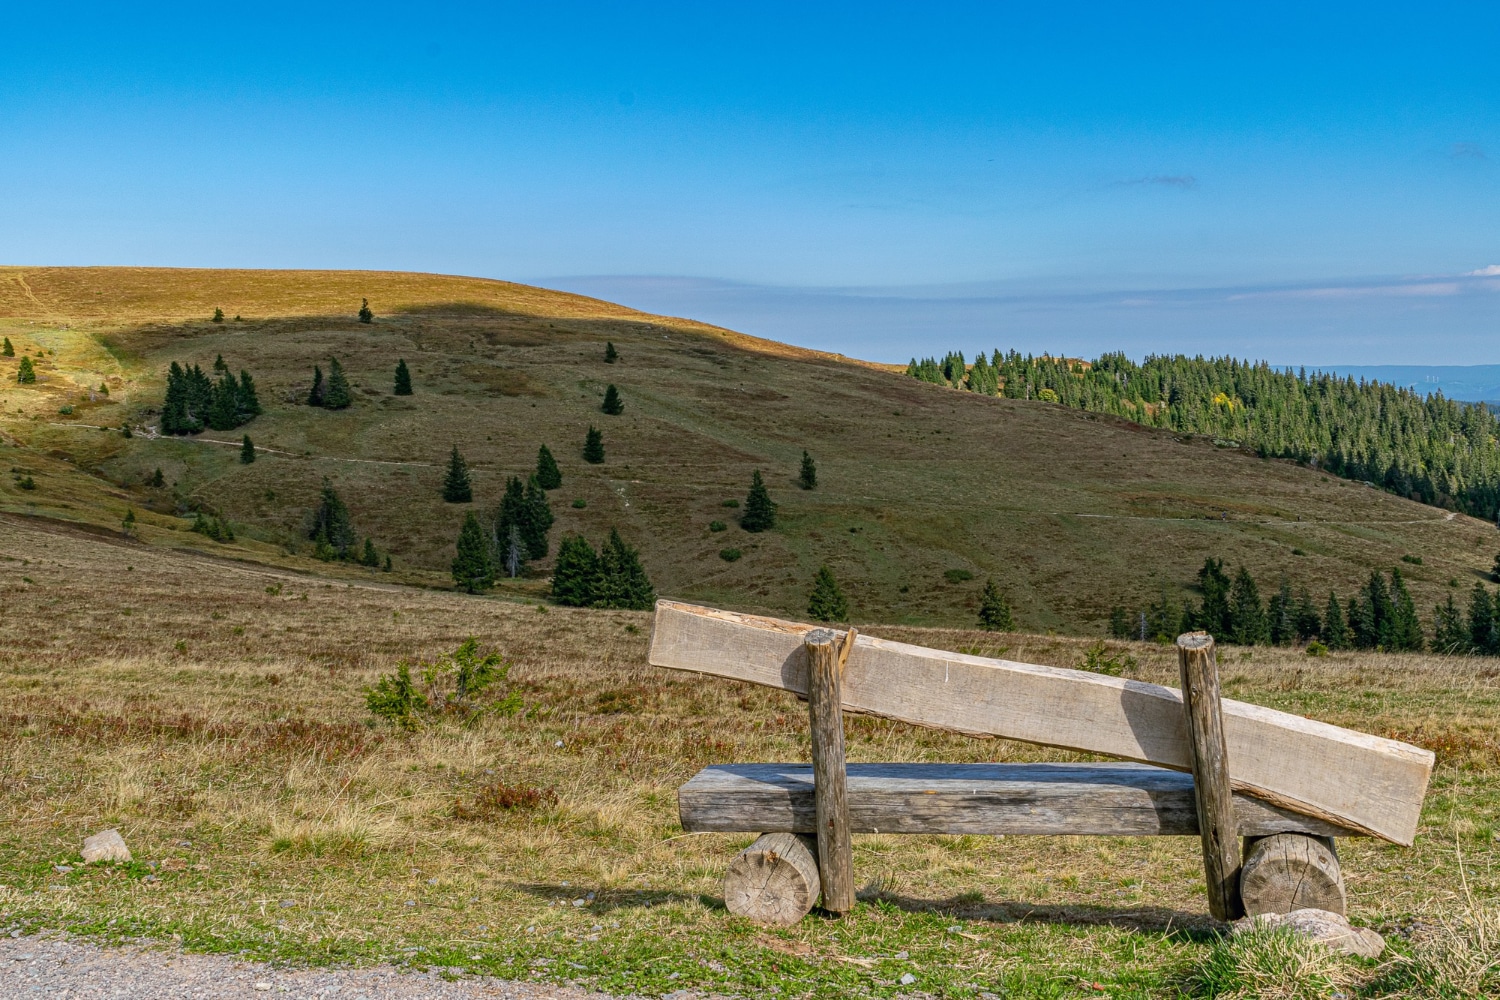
(1181, 182)
(1468, 151)
(1493, 271)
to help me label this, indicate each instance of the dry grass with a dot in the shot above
(214, 713)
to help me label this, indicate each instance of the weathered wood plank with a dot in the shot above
(1199, 670)
(830, 804)
(1360, 782)
(1116, 800)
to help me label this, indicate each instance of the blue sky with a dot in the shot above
(1311, 186)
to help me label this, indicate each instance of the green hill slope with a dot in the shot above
(1070, 512)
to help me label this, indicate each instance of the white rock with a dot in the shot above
(1331, 929)
(908, 979)
(107, 845)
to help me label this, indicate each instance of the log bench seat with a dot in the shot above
(1108, 799)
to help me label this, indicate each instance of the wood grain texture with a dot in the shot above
(826, 718)
(1360, 782)
(1292, 872)
(1117, 800)
(774, 880)
(1217, 827)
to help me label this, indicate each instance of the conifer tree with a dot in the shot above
(1405, 633)
(511, 524)
(623, 580)
(370, 558)
(338, 395)
(593, 447)
(610, 354)
(1482, 633)
(319, 391)
(538, 520)
(249, 401)
(548, 475)
(827, 603)
(247, 451)
(403, 378)
(472, 569)
(1494, 570)
(576, 578)
(760, 512)
(1309, 625)
(1281, 615)
(332, 526)
(1335, 632)
(1247, 616)
(365, 315)
(1119, 622)
(1213, 615)
(218, 315)
(456, 485)
(1450, 633)
(157, 480)
(808, 477)
(223, 412)
(127, 524)
(612, 402)
(8, 350)
(26, 372)
(994, 610)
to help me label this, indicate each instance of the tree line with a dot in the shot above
(195, 401)
(1381, 616)
(1428, 448)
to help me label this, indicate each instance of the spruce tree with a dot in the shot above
(1450, 633)
(576, 578)
(593, 447)
(1335, 632)
(218, 315)
(1309, 625)
(26, 372)
(247, 451)
(1246, 613)
(456, 485)
(249, 401)
(612, 402)
(808, 478)
(472, 569)
(623, 580)
(371, 558)
(318, 393)
(1213, 615)
(511, 525)
(338, 395)
(827, 603)
(1482, 633)
(1406, 626)
(994, 610)
(548, 475)
(403, 378)
(1494, 570)
(365, 315)
(127, 523)
(223, 412)
(174, 409)
(157, 480)
(8, 350)
(538, 520)
(1281, 615)
(760, 512)
(610, 354)
(332, 526)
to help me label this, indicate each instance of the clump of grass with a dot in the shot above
(1099, 659)
(716, 526)
(1459, 958)
(731, 503)
(957, 575)
(730, 555)
(1414, 560)
(497, 798)
(1270, 965)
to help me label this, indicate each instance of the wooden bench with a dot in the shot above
(1265, 792)
(1290, 860)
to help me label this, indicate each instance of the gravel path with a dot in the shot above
(56, 967)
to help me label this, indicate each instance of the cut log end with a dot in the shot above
(774, 880)
(1292, 871)
(1194, 640)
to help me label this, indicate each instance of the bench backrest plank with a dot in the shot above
(1349, 779)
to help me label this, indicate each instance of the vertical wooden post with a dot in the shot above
(825, 710)
(1205, 731)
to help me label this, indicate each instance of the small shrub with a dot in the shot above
(1316, 648)
(451, 684)
(26, 483)
(1047, 396)
(957, 575)
(496, 798)
(66, 410)
(395, 699)
(1414, 560)
(730, 503)
(580, 503)
(1099, 660)
(730, 555)
(717, 525)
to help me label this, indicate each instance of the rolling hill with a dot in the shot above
(923, 492)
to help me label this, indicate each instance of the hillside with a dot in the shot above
(1069, 511)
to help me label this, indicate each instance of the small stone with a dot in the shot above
(1322, 926)
(902, 956)
(263, 987)
(62, 869)
(107, 845)
(908, 979)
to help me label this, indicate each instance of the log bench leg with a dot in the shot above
(774, 880)
(1291, 871)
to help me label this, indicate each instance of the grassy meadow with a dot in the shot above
(923, 492)
(213, 711)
